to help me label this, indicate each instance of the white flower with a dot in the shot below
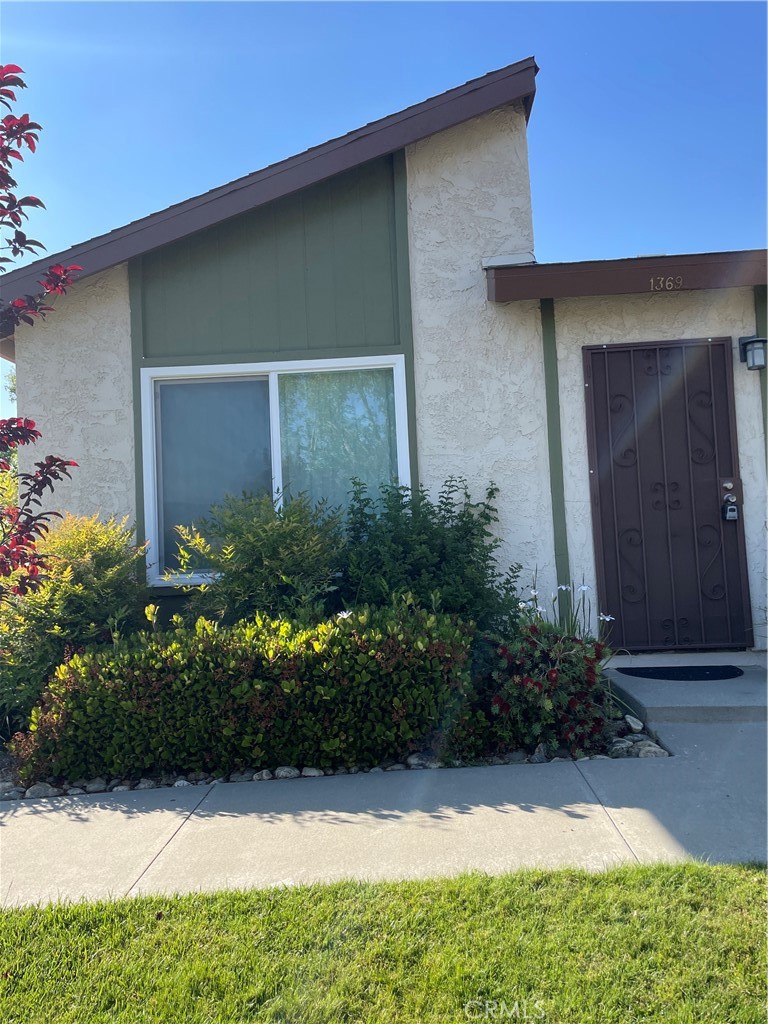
(565, 586)
(540, 610)
(534, 593)
(584, 588)
(344, 615)
(606, 618)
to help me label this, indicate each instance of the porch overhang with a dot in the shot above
(650, 274)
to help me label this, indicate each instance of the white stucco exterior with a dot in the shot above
(612, 319)
(480, 395)
(480, 411)
(74, 379)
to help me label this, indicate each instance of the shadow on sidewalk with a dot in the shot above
(437, 795)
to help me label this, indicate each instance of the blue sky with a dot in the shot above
(647, 134)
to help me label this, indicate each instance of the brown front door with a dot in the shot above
(663, 467)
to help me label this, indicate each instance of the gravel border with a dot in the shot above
(626, 737)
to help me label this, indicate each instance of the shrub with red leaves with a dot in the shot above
(24, 523)
(549, 688)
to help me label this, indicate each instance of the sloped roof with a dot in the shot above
(516, 82)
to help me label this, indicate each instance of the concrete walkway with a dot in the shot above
(706, 802)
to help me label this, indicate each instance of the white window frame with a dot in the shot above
(150, 375)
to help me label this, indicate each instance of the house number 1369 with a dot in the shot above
(666, 284)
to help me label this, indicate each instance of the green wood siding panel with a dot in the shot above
(380, 305)
(312, 274)
(261, 288)
(320, 275)
(291, 276)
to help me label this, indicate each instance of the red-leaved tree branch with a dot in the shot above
(22, 566)
(22, 525)
(17, 134)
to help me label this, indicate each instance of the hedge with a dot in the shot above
(358, 689)
(92, 591)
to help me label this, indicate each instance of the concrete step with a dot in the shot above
(667, 700)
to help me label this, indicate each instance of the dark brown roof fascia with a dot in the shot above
(497, 89)
(650, 274)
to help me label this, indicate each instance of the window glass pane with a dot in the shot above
(335, 426)
(213, 440)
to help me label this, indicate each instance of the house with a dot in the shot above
(372, 307)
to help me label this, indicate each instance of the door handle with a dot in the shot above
(730, 499)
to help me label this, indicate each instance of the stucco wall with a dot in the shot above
(480, 410)
(74, 379)
(636, 318)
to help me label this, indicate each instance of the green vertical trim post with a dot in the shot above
(555, 443)
(761, 327)
(137, 357)
(402, 278)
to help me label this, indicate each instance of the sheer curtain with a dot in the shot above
(334, 426)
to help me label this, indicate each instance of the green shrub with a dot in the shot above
(305, 560)
(268, 559)
(360, 688)
(93, 588)
(442, 552)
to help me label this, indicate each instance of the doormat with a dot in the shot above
(685, 673)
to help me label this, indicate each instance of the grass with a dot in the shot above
(670, 943)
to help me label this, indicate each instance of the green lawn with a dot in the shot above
(679, 943)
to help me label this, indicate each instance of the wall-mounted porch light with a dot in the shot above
(752, 352)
